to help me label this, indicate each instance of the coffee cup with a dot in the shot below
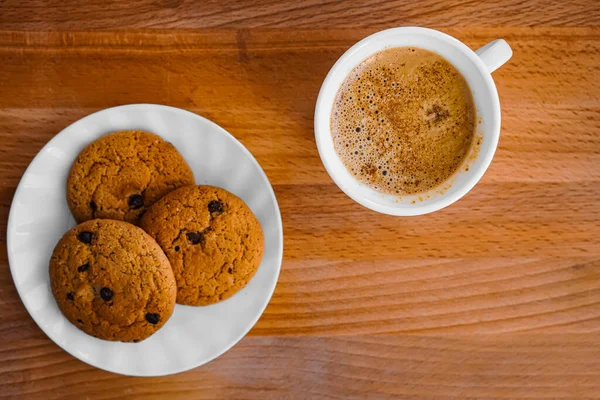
(475, 66)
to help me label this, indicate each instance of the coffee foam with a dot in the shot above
(403, 120)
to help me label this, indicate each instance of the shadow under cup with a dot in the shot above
(487, 131)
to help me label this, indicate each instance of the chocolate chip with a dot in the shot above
(152, 318)
(215, 206)
(85, 237)
(93, 205)
(194, 237)
(176, 248)
(70, 296)
(83, 267)
(135, 201)
(106, 293)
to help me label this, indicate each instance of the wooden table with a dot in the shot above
(495, 297)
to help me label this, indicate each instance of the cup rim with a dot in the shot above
(443, 200)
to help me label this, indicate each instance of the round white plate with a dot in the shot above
(39, 216)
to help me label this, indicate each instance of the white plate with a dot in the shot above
(39, 216)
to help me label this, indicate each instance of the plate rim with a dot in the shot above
(159, 107)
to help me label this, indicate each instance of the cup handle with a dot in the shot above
(494, 54)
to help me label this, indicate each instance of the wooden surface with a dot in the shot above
(495, 297)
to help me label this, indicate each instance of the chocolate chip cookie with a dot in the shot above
(123, 173)
(112, 280)
(213, 240)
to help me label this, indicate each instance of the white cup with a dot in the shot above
(475, 66)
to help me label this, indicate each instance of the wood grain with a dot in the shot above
(379, 367)
(494, 297)
(189, 14)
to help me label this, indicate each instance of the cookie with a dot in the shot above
(112, 280)
(212, 239)
(123, 173)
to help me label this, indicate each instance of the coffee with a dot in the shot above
(403, 121)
